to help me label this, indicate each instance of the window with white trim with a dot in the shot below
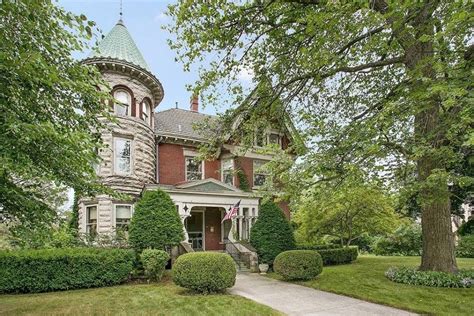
(91, 220)
(259, 172)
(193, 169)
(123, 214)
(227, 168)
(274, 138)
(146, 111)
(123, 156)
(124, 101)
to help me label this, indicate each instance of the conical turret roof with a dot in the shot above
(119, 44)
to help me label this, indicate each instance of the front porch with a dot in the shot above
(202, 205)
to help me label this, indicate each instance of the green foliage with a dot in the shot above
(467, 228)
(462, 279)
(74, 220)
(50, 107)
(309, 246)
(405, 241)
(379, 86)
(243, 181)
(465, 248)
(346, 212)
(204, 272)
(298, 264)
(155, 222)
(27, 271)
(271, 233)
(339, 255)
(154, 262)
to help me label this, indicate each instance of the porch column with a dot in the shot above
(240, 218)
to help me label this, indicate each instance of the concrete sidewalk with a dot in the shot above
(293, 299)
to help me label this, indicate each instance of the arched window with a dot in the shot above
(146, 110)
(125, 99)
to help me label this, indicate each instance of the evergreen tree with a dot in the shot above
(155, 223)
(272, 233)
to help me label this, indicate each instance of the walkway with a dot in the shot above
(295, 299)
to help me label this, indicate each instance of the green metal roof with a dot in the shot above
(119, 44)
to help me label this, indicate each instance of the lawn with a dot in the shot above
(138, 299)
(365, 279)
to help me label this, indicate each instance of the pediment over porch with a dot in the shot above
(208, 185)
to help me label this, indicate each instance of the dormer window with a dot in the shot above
(124, 101)
(146, 110)
(263, 138)
(274, 138)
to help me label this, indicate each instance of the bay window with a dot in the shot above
(123, 156)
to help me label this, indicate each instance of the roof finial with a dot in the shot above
(121, 11)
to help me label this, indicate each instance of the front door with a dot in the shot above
(213, 229)
(194, 227)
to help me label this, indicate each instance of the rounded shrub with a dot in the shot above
(467, 228)
(271, 233)
(465, 247)
(298, 264)
(155, 223)
(154, 262)
(46, 270)
(204, 272)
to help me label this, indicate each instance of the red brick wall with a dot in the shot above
(212, 169)
(171, 164)
(246, 164)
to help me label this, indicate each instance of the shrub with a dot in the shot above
(298, 264)
(464, 278)
(63, 269)
(465, 248)
(467, 228)
(204, 272)
(405, 241)
(154, 262)
(308, 246)
(271, 233)
(155, 223)
(339, 255)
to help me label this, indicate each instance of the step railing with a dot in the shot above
(234, 252)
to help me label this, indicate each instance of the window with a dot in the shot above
(193, 169)
(123, 213)
(274, 138)
(122, 163)
(259, 172)
(146, 111)
(228, 171)
(260, 138)
(124, 98)
(91, 220)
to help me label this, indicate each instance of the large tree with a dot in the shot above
(383, 86)
(50, 106)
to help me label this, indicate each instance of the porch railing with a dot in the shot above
(234, 252)
(196, 240)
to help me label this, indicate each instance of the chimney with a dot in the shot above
(194, 105)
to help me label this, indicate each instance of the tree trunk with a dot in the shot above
(438, 240)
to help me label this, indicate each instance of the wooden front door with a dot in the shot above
(213, 229)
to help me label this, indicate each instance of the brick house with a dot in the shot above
(149, 149)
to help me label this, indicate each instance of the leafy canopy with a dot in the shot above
(50, 107)
(382, 86)
(348, 212)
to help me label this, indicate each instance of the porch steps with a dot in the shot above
(241, 267)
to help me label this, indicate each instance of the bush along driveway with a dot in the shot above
(293, 299)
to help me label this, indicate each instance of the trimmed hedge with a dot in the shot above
(204, 272)
(333, 254)
(298, 264)
(307, 246)
(467, 228)
(413, 276)
(46, 270)
(465, 247)
(154, 262)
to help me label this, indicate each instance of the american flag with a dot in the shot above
(233, 211)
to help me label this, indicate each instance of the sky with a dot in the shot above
(143, 19)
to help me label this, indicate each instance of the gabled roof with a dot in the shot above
(119, 44)
(208, 185)
(179, 122)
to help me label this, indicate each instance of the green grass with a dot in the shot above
(162, 298)
(365, 279)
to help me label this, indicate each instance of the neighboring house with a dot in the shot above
(149, 150)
